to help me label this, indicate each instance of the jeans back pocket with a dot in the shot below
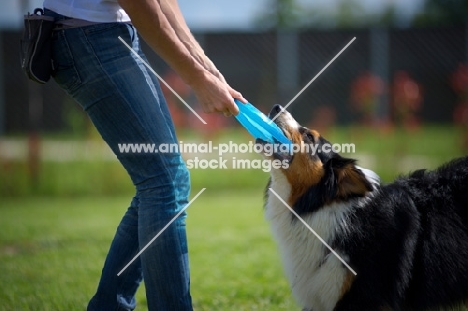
(65, 72)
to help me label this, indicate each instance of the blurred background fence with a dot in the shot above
(386, 75)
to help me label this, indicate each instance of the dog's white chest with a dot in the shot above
(316, 276)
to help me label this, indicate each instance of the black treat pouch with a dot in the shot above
(36, 50)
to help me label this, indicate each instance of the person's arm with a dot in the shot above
(172, 11)
(152, 23)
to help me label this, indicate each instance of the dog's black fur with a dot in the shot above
(407, 240)
(409, 244)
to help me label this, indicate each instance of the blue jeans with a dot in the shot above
(125, 103)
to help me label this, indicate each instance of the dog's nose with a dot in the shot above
(275, 110)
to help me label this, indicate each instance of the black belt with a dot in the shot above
(73, 23)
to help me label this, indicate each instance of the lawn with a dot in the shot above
(56, 229)
(52, 250)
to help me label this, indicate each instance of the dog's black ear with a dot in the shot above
(342, 180)
(320, 194)
(348, 180)
(313, 199)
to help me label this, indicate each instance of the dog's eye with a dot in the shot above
(310, 137)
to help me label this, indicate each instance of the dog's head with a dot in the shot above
(315, 171)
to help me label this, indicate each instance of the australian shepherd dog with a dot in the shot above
(399, 246)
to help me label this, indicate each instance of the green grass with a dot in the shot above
(52, 250)
(55, 231)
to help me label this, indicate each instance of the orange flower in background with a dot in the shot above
(173, 103)
(460, 114)
(323, 118)
(459, 80)
(459, 83)
(407, 100)
(365, 92)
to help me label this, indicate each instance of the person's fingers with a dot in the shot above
(237, 95)
(229, 105)
(228, 109)
(232, 107)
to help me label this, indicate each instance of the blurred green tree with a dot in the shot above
(286, 14)
(349, 13)
(281, 14)
(441, 13)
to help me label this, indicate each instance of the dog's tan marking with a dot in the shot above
(351, 182)
(303, 179)
(302, 174)
(315, 134)
(347, 282)
(303, 171)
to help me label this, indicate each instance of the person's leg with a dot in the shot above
(125, 104)
(166, 259)
(118, 292)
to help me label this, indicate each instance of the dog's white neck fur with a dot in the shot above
(316, 276)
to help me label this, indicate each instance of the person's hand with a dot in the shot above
(215, 95)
